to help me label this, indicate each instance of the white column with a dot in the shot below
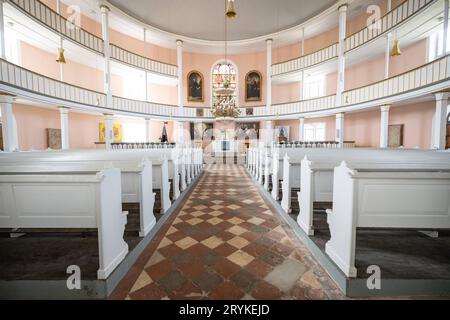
(341, 53)
(387, 55)
(146, 53)
(340, 129)
(147, 130)
(269, 133)
(9, 129)
(301, 129)
(440, 120)
(61, 43)
(302, 80)
(384, 126)
(65, 135)
(446, 8)
(2, 31)
(109, 135)
(180, 124)
(106, 51)
(269, 126)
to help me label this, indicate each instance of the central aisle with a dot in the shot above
(226, 243)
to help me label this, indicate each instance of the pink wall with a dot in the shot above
(417, 119)
(363, 128)
(204, 63)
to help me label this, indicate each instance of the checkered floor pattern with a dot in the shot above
(226, 243)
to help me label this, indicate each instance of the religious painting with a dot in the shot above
(195, 86)
(253, 82)
(117, 132)
(395, 136)
(54, 138)
(282, 134)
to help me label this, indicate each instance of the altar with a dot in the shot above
(226, 146)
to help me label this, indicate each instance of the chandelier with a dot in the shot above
(224, 106)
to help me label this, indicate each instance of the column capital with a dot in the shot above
(104, 8)
(179, 43)
(108, 116)
(302, 119)
(5, 97)
(269, 41)
(445, 95)
(148, 119)
(385, 108)
(343, 7)
(340, 115)
(63, 109)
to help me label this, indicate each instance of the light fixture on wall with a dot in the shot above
(60, 57)
(230, 13)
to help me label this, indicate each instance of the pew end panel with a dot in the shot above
(111, 223)
(341, 219)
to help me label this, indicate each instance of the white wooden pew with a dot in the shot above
(316, 183)
(52, 199)
(159, 166)
(383, 199)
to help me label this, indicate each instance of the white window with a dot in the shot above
(134, 85)
(314, 87)
(436, 44)
(314, 131)
(133, 132)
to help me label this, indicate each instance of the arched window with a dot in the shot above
(224, 84)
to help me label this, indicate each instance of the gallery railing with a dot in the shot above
(389, 21)
(306, 61)
(44, 15)
(141, 62)
(22, 82)
(319, 103)
(33, 82)
(431, 73)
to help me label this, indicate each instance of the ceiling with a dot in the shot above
(204, 19)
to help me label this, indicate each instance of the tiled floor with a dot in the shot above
(226, 243)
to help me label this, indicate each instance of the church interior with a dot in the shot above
(224, 149)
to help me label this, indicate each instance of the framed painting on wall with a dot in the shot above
(395, 135)
(282, 134)
(117, 132)
(253, 82)
(195, 86)
(54, 138)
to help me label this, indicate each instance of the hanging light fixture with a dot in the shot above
(60, 57)
(396, 49)
(230, 13)
(225, 108)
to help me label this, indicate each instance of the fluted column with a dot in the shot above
(65, 135)
(109, 135)
(269, 127)
(387, 55)
(340, 129)
(440, 120)
(341, 53)
(9, 129)
(2, 32)
(107, 54)
(147, 130)
(301, 129)
(384, 126)
(180, 124)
